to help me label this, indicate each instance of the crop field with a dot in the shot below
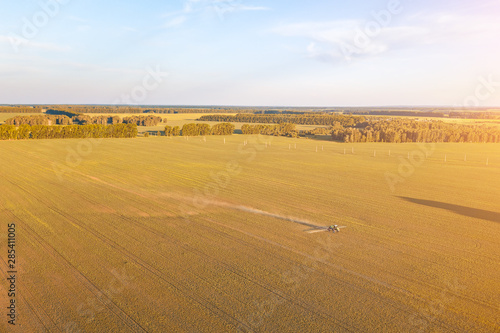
(185, 235)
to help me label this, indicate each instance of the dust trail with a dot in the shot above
(213, 203)
(264, 213)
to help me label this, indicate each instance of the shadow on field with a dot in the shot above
(462, 210)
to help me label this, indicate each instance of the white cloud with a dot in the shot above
(18, 70)
(17, 43)
(203, 7)
(337, 40)
(98, 68)
(342, 40)
(175, 21)
(455, 27)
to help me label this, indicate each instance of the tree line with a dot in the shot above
(397, 130)
(83, 119)
(70, 110)
(39, 120)
(299, 119)
(24, 132)
(432, 114)
(135, 109)
(474, 115)
(172, 131)
(143, 120)
(196, 129)
(167, 109)
(401, 113)
(283, 129)
(21, 109)
(407, 130)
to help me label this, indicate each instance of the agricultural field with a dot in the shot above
(185, 235)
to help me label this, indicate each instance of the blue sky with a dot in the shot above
(251, 52)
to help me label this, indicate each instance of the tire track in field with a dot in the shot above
(256, 211)
(130, 322)
(122, 233)
(183, 246)
(30, 307)
(221, 264)
(480, 302)
(21, 284)
(342, 269)
(209, 202)
(243, 208)
(139, 261)
(393, 303)
(217, 262)
(236, 272)
(227, 205)
(190, 295)
(363, 291)
(411, 233)
(228, 267)
(477, 245)
(98, 294)
(303, 222)
(196, 298)
(304, 304)
(391, 230)
(46, 315)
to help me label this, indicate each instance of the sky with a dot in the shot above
(251, 52)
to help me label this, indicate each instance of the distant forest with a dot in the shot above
(477, 113)
(408, 130)
(67, 118)
(302, 119)
(395, 131)
(197, 129)
(430, 114)
(21, 109)
(80, 109)
(347, 128)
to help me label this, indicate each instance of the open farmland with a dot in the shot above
(167, 235)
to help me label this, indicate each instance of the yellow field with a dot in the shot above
(170, 235)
